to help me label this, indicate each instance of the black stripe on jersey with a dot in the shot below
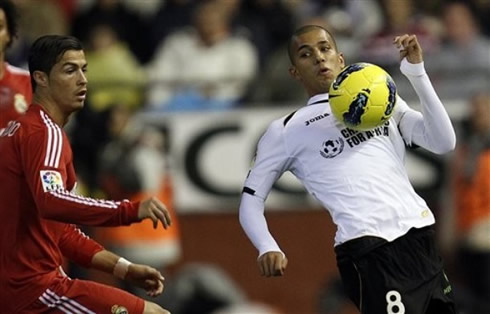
(319, 102)
(248, 190)
(288, 118)
(412, 146)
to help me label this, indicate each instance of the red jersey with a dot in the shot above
(15, 93)
(37, 209)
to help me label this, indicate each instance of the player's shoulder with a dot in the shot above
(17, 71)
(300, 117)
(36, 122)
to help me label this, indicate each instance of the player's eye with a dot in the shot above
(305, 54)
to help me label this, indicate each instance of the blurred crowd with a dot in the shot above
(170, 55)
(202, 55)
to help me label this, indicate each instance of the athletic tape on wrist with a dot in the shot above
(121, 268)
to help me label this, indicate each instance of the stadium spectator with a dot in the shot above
(38, 205)
(462, 64)
(202, 68)
(171, 16)
(116, 75)
(116, 14)
(15, 83)
(470, 172)
(400, 17)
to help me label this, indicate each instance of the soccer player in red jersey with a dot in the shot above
(15, 83)
(38, 208)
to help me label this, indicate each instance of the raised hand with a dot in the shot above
(409, 48)
(155, 210)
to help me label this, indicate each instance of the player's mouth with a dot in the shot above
(324, 71)
(82, 94)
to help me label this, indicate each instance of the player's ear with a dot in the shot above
(294, 73)
(341, 60)
(40, 78)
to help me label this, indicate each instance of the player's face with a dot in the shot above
(68, 81)
(4, 32)
(316, 61)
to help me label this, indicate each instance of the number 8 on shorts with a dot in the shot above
(395, 305)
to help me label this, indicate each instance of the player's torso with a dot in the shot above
(24, 229)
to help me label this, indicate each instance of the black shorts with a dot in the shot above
(405, 276)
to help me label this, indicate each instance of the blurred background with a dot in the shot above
(180, 91)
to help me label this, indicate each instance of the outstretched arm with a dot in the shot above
(431, 129)
(79, 248)
(51, 182)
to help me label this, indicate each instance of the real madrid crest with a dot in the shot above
(119, 309)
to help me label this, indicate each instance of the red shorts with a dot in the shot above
(69, 296)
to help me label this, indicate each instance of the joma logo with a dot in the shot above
(308, 122)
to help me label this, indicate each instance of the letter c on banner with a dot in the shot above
(192, 156)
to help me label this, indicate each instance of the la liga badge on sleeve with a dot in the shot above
(51, 180)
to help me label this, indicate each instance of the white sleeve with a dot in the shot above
(431, 129)
(270, 163)
(254, 224)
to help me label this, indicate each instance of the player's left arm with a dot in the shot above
(77, 246)
(143, 276)
(431, 129)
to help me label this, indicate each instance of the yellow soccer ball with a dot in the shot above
(363, 96)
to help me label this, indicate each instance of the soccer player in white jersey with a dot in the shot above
(385, 246)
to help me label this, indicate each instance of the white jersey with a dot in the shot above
(359, 177)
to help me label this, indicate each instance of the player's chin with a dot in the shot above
(79, 104)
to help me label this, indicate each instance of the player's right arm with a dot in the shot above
(271, 161)
(432, 128)
(46, 170)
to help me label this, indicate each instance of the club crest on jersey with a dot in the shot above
(20, 103)
(332, 148)
(51, 180)
(119, 309)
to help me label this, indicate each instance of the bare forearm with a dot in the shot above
(104, 261)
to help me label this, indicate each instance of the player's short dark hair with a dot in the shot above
(47, 50)
(302, 30)
(12, 18)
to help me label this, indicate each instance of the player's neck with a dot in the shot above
(52, 108)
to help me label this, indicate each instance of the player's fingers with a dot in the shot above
(163, 209)
(414, 43)
(153, 218)
(271, 265)
(403, 54)
(159, 288)
(278, 270)
(159, 214)
(155, 274)
(284, 263)
(156, 291)
(398, 40)
(260, 263)
(411, 42)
